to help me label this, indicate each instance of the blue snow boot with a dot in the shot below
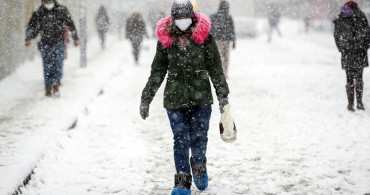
(182, 184)
(200, 175)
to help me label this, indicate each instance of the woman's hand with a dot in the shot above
(144, 110)
(223, 102)
(28, 43)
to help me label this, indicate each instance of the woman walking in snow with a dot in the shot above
(273, 17)
(50, 21)
(352, 36)
(188, 53)
(102, 24)
(135, 32)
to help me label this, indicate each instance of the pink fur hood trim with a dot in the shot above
(200, 33)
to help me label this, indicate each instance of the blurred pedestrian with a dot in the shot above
(102, 24)
(307, 24)
(352, 36)
(306, 15)
(135, 32)
(154, 17)
(188, 53)
(223, 31)
(274, 16)
(66, 41)
(49, 21)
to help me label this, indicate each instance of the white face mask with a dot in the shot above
(183, 24)
(49, 6)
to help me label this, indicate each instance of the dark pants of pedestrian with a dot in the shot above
(190, 128)
(52, 58)
(306, 21)
(102, 39)
(354, 74)
(224, 50)
(271, 30)
(136, 46)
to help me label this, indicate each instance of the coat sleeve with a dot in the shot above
(214, 67)
(33, 26)
(157, 74)
(69, 22)
(337, 36)
(107, 18)
(232, 29)
(366, 32)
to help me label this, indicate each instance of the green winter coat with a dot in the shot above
(189, 68)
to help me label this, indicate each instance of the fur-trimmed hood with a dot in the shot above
(199, 35)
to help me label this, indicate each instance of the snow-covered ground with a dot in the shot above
(288, 100)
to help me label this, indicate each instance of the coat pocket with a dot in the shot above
(174, 92)
(173, 84)
(200, 87)
(201, 80)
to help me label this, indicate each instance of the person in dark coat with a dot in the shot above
(102, 24)
(188, 54)
(154, 17)
(49, 21)
(223, 31)
(135, 32)
(274, 16)
(352, 37)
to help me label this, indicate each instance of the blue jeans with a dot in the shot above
(52, 59)
(190, 127)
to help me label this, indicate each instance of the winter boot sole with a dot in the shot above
(179, 191)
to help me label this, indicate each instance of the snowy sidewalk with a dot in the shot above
(30, 124)
(288, 99)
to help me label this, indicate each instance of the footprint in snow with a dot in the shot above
(344, 172)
